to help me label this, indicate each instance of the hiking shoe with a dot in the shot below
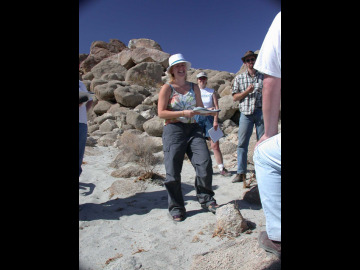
(224, 172)
(211, 207)
(239, 178)
(269, 245)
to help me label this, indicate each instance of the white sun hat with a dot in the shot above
(176, 59)
(201, 74)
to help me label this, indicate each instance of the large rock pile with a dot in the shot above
(126, 81)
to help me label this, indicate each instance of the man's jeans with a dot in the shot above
(267, 159)
(82, 142)
(246, 125)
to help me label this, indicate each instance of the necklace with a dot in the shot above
(182, 89)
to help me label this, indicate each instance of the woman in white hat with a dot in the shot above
(181, 134)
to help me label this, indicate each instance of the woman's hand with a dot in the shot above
(215, 125)
(190, 113)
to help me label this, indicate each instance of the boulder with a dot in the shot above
(96, 82)
(100, 119)
(124, 58)
(87, 64)
(144, 43)
(147, 111)
(88, 76)
(154, 126)
(146, 74)
(227, 147)
(92, 128)
(113, 76)
(229, 221)
(140, 89)
(120, 118)
(127, 96)
(107, 66)
(228, 107)
(115, 108)
(225, 91)
(90, 141)
(106, 91)
(100, 50)
(135, 119)
(140, 55)
(108, 125)
(116, 46)
(108, 139)
(102, 107)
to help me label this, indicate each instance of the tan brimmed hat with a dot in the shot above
(248, 53)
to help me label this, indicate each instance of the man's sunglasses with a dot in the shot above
(202, 78)
(250, 59)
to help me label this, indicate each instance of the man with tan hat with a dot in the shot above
(247, 88)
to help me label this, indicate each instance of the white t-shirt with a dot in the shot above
(82, 109)
(269, 58)
(207, 97)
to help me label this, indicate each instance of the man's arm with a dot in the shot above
(271, 95)
(236, 92)
(242, 95)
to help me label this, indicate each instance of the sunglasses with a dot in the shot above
(250, 60)
(202, 78)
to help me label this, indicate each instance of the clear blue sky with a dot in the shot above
(211, 34)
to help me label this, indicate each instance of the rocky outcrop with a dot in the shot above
(126, 81)
(100, 50)
(144, 43)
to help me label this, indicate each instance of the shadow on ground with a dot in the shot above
(139, 204)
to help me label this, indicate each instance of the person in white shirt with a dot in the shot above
(83, 108)
(267, 153)
(210, 101)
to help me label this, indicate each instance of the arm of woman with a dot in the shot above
(199, 102)
(163, 100)
(216, 104)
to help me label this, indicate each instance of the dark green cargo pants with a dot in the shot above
(178, 139)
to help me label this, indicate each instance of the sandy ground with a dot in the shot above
(133, 230)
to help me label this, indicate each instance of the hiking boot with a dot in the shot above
(269, 245)
(239, 178)
(224, 172)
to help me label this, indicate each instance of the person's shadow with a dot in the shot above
(86, 186)
(139, 204)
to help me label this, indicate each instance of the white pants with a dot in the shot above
(267, 159)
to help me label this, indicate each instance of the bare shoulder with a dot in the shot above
(165, 90)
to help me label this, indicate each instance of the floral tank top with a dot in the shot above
(179, 102)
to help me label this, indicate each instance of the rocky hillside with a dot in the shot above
(126, 81)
